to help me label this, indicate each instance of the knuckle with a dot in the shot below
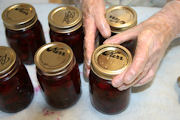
(146, 33)
(132, 72)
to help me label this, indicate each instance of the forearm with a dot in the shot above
(171, 12)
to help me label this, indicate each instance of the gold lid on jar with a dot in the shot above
(7, 59)
(65, 19)
(121, 18)
(178, 81)
(54, 58)
(19, 16)
(110, 60)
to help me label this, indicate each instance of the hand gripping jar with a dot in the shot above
(121, 18)
(66, 26)
(107, 62)
(58, 74)
(16, 90)
(23, 31)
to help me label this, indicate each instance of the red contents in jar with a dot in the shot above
(16, 92)
(61, 91)
(105, 98)
(26, 42)
(74, 39)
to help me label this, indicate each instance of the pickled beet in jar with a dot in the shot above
(66, 26)
(16, 90)
(121, 18)
(23, 31)
(107, 62)
(58, 74)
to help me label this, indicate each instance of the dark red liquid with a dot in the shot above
(26, 42)
(130, 45)
(74, 39)
(61, 92)
(105, 98)
(16, 92)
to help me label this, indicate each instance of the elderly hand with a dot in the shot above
(94, 18)
(153, 37)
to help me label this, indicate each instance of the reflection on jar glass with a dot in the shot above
(66, 26)
(108, 61)
(58, 74)
(16, 90)
(121, 18)
(23, 31)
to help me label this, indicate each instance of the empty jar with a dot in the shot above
(121, 18)
(58, 74)
(107, 62)
(65, 24)
(23, 31)
(16, 90)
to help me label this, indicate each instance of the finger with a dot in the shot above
(90, 31)
(150, 75)
(101, 23)
(86, 71)
(118, 83)
(146, 79)
(126, 86)
(136, 67)
(147, 67)
(123, 87)
(141, 57)
(118, 80)
(130, 34)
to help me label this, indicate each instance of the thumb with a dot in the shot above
(123, 36)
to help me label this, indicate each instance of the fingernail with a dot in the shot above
(122, 88)
(114, 84)
(137, 85)
(86, 74)
(107, 32)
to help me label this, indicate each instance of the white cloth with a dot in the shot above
(161, 101)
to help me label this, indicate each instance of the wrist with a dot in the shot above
(171, 16)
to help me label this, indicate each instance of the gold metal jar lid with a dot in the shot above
(65, 19)
(19, 16)
(7, 59)
(178, 81)
(54, 58)
(121, 18)
(110, 60)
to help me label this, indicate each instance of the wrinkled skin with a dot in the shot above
(93, 18)
(153, 38)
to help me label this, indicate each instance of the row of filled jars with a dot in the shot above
(56, 66)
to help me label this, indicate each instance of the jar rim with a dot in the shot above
(19, 16)
(65, 19)
(7, 59)
(54, 58)
(110, 60)
(121, 18)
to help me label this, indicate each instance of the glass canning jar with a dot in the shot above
(16, 90)
(108, 61)
(23, 31)
(121, 18)
(58, 74)
(66, 26)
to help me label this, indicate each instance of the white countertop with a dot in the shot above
(161, 101)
